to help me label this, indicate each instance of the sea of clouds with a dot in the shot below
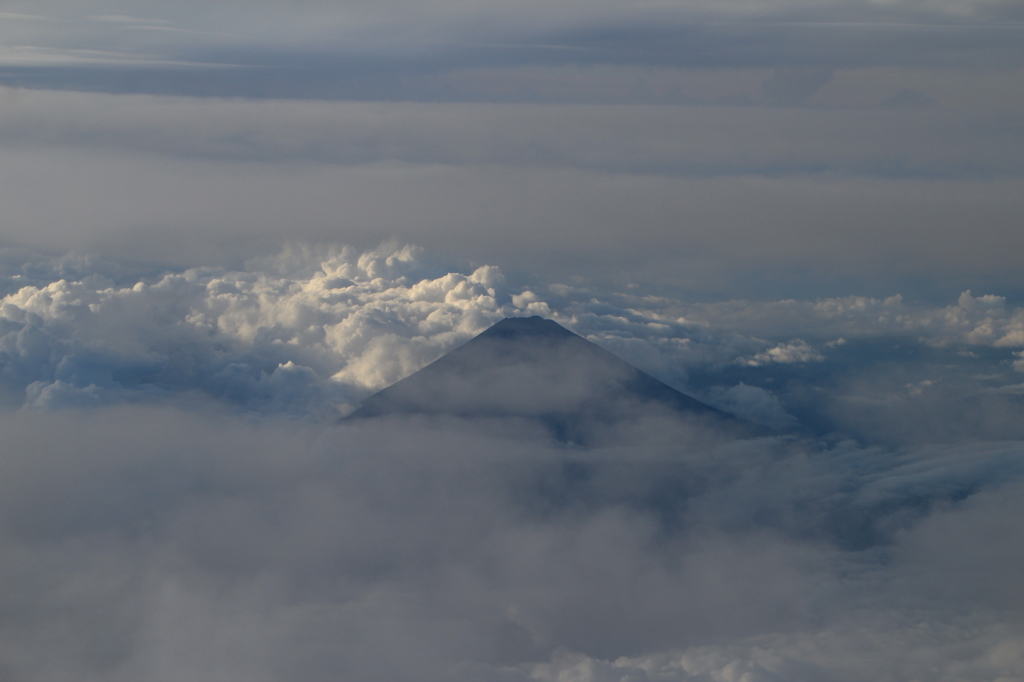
(180, 502)
(162, 544)
(805, 213)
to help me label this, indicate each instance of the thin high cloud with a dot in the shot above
(436, 50)
(841, 197)
(688, 141)
(383, 23)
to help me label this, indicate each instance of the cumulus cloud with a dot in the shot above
(974, 321)
(296, 333)
(1019, 363)
(797, 350)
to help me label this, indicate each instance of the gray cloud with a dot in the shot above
(405, 27)
(640, 140)
(402, 51)
(909, 99)
(211, 547)
(794, 85)
(842, 194)
(794, 236)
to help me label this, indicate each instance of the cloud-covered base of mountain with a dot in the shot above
(160, 544)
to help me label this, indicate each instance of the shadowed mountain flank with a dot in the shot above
(529, 367)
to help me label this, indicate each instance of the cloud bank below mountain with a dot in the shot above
(161, 544)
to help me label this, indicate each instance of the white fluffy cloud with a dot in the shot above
(308, 325)
(794, 351)
(984, 321)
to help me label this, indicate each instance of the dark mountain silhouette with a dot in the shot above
(529, 367)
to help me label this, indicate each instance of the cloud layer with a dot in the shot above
(702, 193)
(495, 31)
(156, 544)
(853, 136)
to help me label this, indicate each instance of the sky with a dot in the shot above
(226, 224)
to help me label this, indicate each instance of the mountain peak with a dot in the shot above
(520, 327)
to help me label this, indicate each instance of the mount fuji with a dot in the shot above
(535, 369)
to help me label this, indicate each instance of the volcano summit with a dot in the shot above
(532, 368)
